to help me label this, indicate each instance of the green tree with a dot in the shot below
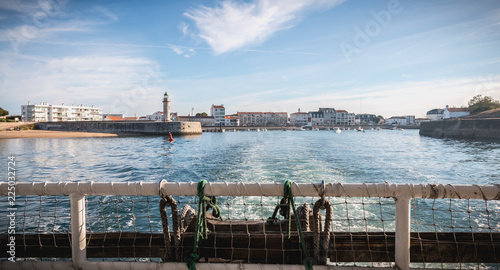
(3, 112)
(480, 104)
(202, 114)
(378, 119)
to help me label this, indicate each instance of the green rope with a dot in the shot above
(288, 198)
(204, 203)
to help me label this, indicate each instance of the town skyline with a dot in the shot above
(380, 57)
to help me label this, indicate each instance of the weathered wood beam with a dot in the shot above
(269, 247)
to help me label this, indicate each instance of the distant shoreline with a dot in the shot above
(27, 134)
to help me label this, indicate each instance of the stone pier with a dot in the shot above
(139, 127)
(462, 128)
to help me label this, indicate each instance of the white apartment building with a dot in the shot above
(219, 114)
(329, 115)
(435, 114)
(299, 118)
(455, 112)
(232, 120)
(45, 112)
(407, 120)
(156, 116)
(397, 121)
(317, 118)
(344, 118)
(263, 118)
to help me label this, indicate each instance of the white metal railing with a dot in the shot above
(401, 193)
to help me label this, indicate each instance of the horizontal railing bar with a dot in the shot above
(383, 190)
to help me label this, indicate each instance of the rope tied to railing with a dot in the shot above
(288, 199)
(165, 202)
(321, 255)
(319, 235)
(204, 203)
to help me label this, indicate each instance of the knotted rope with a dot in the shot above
(321, 255)
(288, 199)
(165, 202)
(204, 203)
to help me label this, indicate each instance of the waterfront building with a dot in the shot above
(263, 118)
(174, 117)
(206, 121)
(130, 118)
(435, 114)
(396, 121)
(219, 114)
(156, 116)
(324, 116)
(45, 112)
(406, 120)
(366, 119)
(410, 119)
(299, 118)
(317, 118)
(329, 116)
(455, 112)
(420, 120)
(232, 120)
(104, 115)
(181, 118)
(113, 118)
(344, 118)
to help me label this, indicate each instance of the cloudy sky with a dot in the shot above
(388, 57)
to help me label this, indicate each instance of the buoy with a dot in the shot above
(170, 139)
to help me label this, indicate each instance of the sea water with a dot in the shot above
(393, 156)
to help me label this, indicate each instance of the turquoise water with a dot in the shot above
(302, 156)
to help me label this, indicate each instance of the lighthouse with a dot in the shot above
(166, 107)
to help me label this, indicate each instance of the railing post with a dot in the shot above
(78, 230)
(402, 255)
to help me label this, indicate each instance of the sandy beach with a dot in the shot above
(21, 134)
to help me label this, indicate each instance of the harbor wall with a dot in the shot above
(462, 128)
(139, 127)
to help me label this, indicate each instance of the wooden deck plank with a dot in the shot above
(269, 247)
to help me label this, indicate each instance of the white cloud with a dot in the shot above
(186, 52)
(177, 49)
(106, 12)
(27, 33)
(233, 25)
(184, 28)
(45, 21)
(267, 91)
(19, 6)
(114, 83)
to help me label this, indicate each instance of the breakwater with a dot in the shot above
(139, 127)
(465, 128)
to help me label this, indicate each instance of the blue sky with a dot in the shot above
(388, 57)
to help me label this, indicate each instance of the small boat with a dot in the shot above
(337, 130)
(360, 129)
